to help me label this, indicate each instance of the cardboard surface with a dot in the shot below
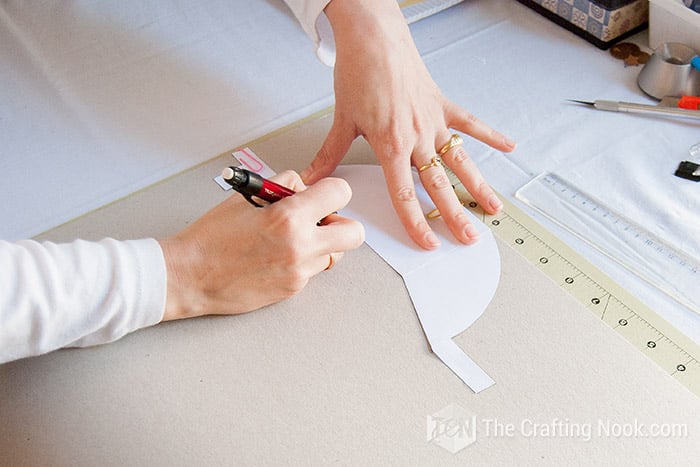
(340, 374)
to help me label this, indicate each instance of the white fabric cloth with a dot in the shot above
(77, 294)
(140, 91)
(315, 24)
(86, 293)
(87, 86)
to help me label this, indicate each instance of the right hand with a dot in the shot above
(238, 258)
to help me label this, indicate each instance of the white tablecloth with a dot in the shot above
(100, 99)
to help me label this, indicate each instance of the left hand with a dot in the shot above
(384, 92)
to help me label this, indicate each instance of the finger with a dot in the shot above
(332, 151)
(402, 192)
(324, 197)
(437, 184)
(326, 262)
(461, 120)
(336, 235)
(339, 234)
(290, 179)
(440, 189)
(463, 166)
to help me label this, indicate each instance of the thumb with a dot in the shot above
(290, 179)
(332, 151)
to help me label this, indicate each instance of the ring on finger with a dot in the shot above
(434, 162)
(435, 213)
(331, 262)
(455, 140)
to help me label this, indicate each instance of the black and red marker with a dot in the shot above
(251, 185)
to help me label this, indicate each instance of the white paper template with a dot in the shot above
(450, 287)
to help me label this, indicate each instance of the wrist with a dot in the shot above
(181, 295)
(356, 21)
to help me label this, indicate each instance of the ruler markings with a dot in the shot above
(673, 351)
(662, 265)
(593, 289)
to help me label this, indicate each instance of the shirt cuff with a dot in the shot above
(325, 47)
(315, 23)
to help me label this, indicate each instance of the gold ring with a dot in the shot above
(455, 140)
(331, 262)
(434, 162)
(435, 213)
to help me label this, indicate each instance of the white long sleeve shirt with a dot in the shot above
(315, 23)
(77, 294)
(87, 293)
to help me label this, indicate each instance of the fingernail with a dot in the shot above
(495, 203)
(472, 233)
(432, 239)
(509, 142)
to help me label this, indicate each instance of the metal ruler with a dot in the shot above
(673, 351)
